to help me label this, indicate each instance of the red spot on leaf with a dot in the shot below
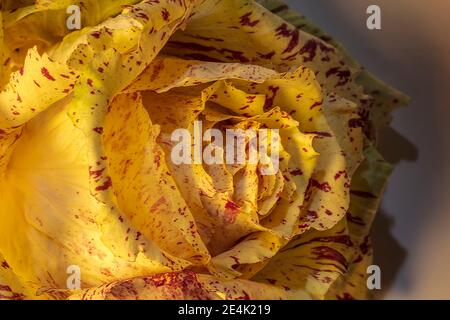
(309, 50)
(297, 172)
(96, 174)
(96, 34)
(284, 31)
(165, 14)
(269, 101)
(47, 74)
(343, 75)
(246, 21)
(99, 130)
(340, 174)
(325, 187)
(105, 186)
(345, 296)
(231, 211)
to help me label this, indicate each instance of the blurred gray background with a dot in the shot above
(410, 52)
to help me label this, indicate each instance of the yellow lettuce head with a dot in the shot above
(103, 137)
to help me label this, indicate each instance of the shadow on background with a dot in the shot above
(395, 147)
(388, 253)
